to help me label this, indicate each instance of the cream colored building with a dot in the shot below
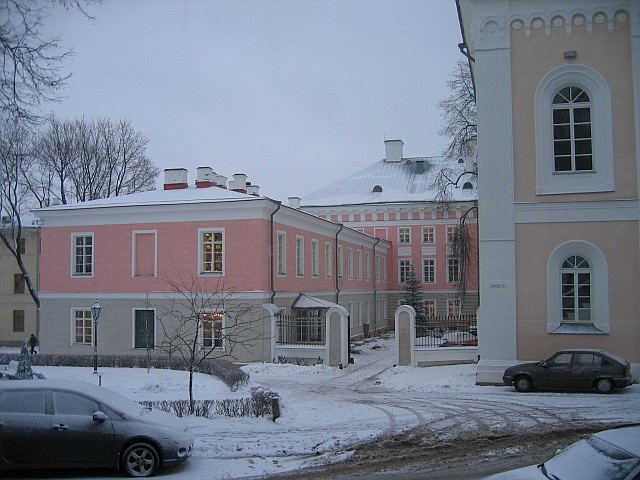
(558, 90)
(18, 312)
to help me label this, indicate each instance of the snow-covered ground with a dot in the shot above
(327, 411)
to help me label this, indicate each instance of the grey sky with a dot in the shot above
(294, 93)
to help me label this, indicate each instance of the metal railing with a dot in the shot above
(446, 331)
(301, 330)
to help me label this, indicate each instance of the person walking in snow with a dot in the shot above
(33, 343)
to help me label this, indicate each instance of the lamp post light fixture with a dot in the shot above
(95, 313)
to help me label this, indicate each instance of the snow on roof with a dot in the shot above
(191, 194)
(305, 301)
(409, 180)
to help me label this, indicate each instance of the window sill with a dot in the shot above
(578, 328)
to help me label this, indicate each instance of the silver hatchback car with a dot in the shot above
(60, 424)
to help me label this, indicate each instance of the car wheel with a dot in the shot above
(140, 460)
(523, 383)
(604, 385)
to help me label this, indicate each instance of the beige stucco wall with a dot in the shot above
(10, 301)
(609, 53)
(618, 241)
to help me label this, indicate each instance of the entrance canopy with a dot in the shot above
(307, 302)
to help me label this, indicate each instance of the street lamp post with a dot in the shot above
(95, 312)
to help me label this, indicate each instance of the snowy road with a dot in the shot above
(327, 412)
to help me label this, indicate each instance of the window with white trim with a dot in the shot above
(571, 108)
(574, 132)
(82, 326)
(451, 233)
(82, 255)
(299, 256)
(315, 258)
(282, 253)
(327, 260)
(453, 307)
(404, 268)
(350, 261)
(404, 235)
(428, 270)
(144, 328)
(339, 261)
(211, 251)
(429, 234)
(367, 265)
(359, 263)
(577, 289)
(212, 330)
(430, 308)
(453, 270)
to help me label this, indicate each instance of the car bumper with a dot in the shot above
(508, 380)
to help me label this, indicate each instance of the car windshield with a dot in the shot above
(597, 459)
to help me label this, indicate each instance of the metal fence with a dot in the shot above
(447, 331)
(301, 330)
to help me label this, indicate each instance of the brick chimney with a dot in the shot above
(175, 178)
(239, 183)
(205, 177)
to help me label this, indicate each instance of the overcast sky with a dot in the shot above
(294, 93)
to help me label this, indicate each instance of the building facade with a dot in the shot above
(223, 252)
(18, 311)
(558, 89)
(397, 199)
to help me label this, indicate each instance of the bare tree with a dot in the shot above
(30, 64)
(89, 159)
(460, 126)
(459, 113)
(15, 158)
(190, 328)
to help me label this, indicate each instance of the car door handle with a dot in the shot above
(59, 426)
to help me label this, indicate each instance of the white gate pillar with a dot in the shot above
(337, 337)
(405, 337)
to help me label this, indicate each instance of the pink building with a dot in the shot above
(224, 247)
(396, 199)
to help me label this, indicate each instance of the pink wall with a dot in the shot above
(246, 265)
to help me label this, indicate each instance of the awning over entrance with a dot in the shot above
(308, 302)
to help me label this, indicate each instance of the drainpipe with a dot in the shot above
(273, 291)
(375, 291)
(337, 279)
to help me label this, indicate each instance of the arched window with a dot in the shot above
(574, 136)
(576, 289)
(572, 130)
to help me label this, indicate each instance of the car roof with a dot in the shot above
(627, 438)
(594, 350)
(101, 394)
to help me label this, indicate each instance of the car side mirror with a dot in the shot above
(99, 416)
(544, 364)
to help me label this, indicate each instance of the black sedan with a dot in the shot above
(54, 424)
(585, 369)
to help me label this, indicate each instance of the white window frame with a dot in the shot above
(432, 270)
(88, 317)
(134, 251)
(350, 262)
(431, 229)
(359, 261)
(404, 235)
(299, 256)
(340, 262)
(599, 323)
(367, 265)
(213, 339)
(403, 269)
(201, 233)
(75, 274)
(453, 270)
(328, 269)
(282, 253)
(601, 178)
(133, 328)
(315, 258)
